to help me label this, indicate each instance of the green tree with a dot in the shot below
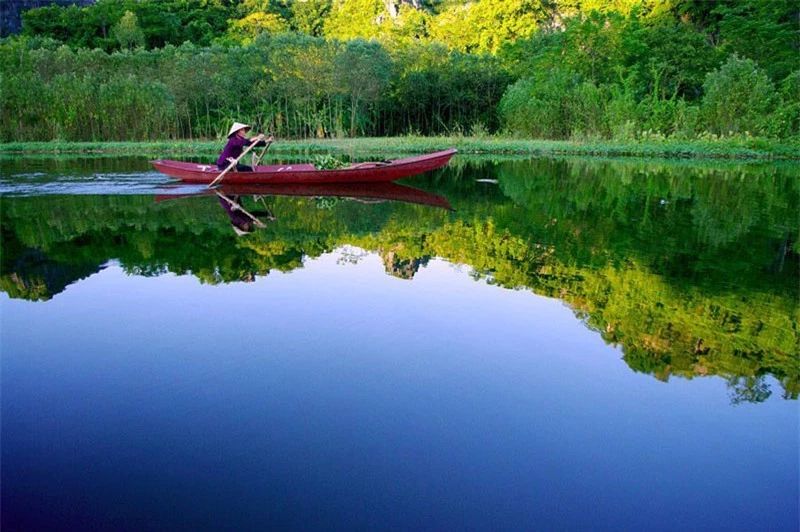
(300, 90)
(409, 26)
(351, 19)
(127, 31)
(246, 30)
(487, 25)
(161, 21)
(673, 58)
(539, 107)
(766, 31)
(363, 69)
(738, 97)
(787, 117)
(309, 17)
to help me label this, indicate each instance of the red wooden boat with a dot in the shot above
(369, 172)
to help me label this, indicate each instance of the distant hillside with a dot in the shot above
(11, 12)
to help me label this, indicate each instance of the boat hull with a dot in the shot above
(371, 172)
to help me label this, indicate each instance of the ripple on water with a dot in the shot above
(39, 183)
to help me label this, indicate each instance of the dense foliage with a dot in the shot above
(628, 69)
(691, 269)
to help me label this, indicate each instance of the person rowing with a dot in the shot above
(237, 141)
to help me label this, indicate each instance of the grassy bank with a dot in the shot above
(725, 148)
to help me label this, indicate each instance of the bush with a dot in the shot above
(587, 111)
(786, 121)
(533, 109)
(739, 97)
(623, 111)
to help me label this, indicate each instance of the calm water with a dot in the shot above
(512, 344)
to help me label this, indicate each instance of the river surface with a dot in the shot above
(503, 344)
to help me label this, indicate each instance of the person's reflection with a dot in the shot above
(242, 221)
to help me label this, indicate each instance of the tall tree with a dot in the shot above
(309, 16)
(127, 31)
(485, 26)
(766, 31)
(739, 97)
(364, 68)
(351, 19)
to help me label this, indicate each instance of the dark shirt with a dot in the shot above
(238, 218)
(234, 149)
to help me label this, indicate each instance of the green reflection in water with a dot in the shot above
(691, 269)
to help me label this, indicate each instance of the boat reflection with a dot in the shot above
(244, 220)
(362, 192)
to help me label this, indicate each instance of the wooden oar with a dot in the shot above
(233, 164)
(261, 156)
(256, 221)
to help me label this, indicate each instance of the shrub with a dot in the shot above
(538, 108)
(786, 121)
(623, 111)
(738, 97)
(587, 111)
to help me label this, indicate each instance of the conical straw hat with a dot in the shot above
(236, 127)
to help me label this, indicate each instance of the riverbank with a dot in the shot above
(718, 148)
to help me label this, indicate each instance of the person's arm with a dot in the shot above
(261, 142)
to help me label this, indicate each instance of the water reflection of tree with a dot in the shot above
(647, 255)
(749, 389)
(400, 267)
(657, 250)
(28, 273)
